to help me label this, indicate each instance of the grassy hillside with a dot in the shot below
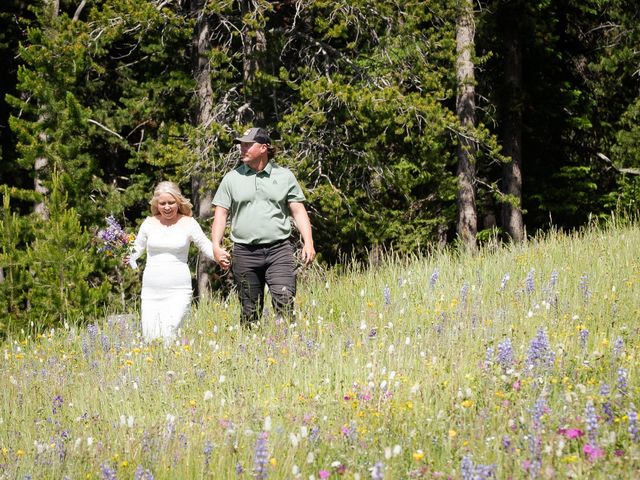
(520, 362)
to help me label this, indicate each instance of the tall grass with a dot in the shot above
(518, 362)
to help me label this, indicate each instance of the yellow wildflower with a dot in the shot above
(418, 455)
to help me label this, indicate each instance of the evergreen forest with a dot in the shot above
(410, 125)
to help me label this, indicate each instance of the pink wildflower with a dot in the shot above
(571, 433)
(324, 474)
(593, 452)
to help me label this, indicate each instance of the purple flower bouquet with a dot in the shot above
(113, 240)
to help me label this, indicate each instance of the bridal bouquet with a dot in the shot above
(113, 240)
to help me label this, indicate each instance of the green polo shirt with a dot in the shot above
(258, 203)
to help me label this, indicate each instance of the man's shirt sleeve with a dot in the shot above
(222, 197)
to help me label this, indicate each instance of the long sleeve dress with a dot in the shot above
(166, 281)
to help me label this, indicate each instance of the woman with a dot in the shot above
(166, 282)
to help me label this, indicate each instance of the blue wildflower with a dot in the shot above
(208, 448)
(618, 347)
(504, 281)
(584, 338)
(622, 383)
(107, 472)
(386, 294)
(505, 353)
(592, 422)
(377, 472)
(261, 457)
(434, 278)
(633, 424)
(529, 282)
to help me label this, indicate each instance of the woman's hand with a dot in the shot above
(222, 257)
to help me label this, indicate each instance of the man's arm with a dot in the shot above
(220, 255)
(300, 216)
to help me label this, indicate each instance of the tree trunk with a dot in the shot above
(512, 221)
(201, 195)
(42, 163)
(465, 109)
(254, 48)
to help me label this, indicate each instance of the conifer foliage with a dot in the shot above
(360, 95)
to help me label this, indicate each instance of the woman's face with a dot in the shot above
(168, 206)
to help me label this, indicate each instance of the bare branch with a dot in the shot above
(76, 15)
(90, 120)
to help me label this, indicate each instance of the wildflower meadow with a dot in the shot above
(517, 362)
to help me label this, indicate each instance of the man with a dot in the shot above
(260, 196)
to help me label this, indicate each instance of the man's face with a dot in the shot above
(251, 151)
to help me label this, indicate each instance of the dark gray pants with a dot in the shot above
(257, 265)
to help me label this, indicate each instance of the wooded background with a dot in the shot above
(408, 123)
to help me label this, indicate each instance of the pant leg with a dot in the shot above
(249, 275)
(281, 277)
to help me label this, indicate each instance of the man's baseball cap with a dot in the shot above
(257, 135)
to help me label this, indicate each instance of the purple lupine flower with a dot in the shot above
(143, 474)
(208, 448)
(386, 294)
(506, 442)
(467, 468)
(434, 278)
(239, 468)
(261, 457)
(106, 344)
(529, 282)
(485, 472)
(505, 353)
(605, 389)
(584, 286)
(536, 413)
(464, 292)
(607, 410)
(621, 383)
(584, 338)
(107, 472)
(591, 419)
(539, 353)
(84, 345)
(633, 424)
(314, 433)
(503, 282)
(92, 330)
(377, 472)
(618, 347)
(488, 357)
(553, 281)
(56, 404)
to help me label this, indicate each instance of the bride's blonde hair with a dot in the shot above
(184, 205)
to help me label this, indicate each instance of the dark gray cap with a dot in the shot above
(255, 134)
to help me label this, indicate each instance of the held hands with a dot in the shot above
(222, 257)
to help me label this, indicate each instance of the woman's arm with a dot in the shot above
(221, 256)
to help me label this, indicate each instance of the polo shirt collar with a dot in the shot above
(246, 169)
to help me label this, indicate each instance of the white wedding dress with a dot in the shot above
(166, 281)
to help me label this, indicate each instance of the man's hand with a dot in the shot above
(222, 257)
(307, 254)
